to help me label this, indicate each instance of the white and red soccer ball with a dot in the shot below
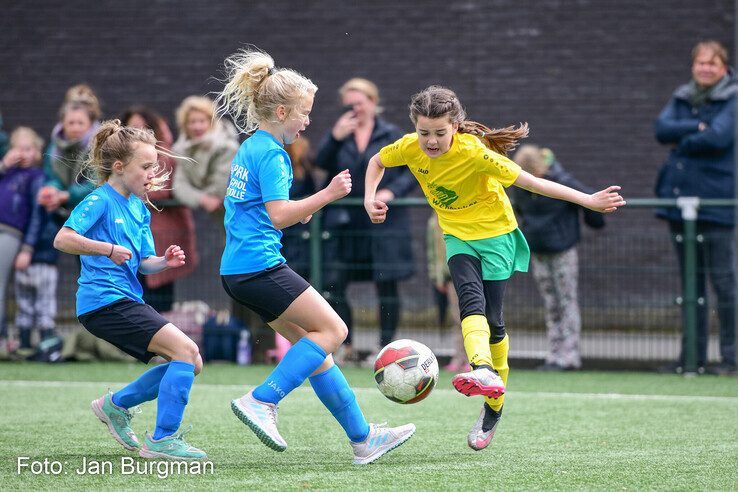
(406, 371)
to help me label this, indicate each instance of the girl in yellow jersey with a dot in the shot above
(462, 169)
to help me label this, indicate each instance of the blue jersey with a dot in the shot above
(261, 172)
(106, 215)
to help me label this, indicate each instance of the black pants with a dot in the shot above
(161, 298)
(715, 256)
(389, 308)
(477, 296)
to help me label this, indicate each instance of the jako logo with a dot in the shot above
(118, 221)
(277, 389)
(422, 171)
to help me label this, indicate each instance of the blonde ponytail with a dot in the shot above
(255, 88)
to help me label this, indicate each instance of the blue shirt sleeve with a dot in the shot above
(275, 176)
(87, 213)
(147, 238)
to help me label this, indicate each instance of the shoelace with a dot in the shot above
(273, 414)
(180, 436)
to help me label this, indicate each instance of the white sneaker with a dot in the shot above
(381, 440)
(261, 417)
(484, 428)
(481, 381)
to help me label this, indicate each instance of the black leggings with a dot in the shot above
(477, 296)
(389, 309)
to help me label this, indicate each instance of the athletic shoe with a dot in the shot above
(480, 381)
(678, 368)
(483, 430)
(380, 441)
(261, 418)
(722, 369)
(171, 447)
(118, 421)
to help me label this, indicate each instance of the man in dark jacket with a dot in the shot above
(698, 123)
(551, 228)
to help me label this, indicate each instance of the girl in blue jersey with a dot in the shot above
(110, 231)
(274, 104)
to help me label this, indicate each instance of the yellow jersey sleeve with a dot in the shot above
(497, 166)
(393, 155)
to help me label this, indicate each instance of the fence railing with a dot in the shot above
(630, 295)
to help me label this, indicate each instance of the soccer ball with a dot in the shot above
(406, 371)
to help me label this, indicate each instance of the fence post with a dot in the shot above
(316, 251)
(689, 206)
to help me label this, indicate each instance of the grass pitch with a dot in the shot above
(588, 430)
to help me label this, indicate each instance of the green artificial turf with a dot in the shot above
(565, 431)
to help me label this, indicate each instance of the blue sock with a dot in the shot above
(333, 390)
(298, 363)
(145, 388)
(174, 393)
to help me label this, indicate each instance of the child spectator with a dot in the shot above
(20, 217)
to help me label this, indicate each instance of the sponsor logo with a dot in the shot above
(277, 389)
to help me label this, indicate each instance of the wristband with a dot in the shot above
(112, 248)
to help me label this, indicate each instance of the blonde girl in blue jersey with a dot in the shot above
(110, 231)
(272, 105)
(462, 169)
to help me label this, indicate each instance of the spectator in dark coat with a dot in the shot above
(296, 239)
(698, 124)
(551, 228)
(358, 250)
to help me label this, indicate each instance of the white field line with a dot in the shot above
(523, 394)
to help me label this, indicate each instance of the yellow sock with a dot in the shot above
(475, 331)
(499, 352)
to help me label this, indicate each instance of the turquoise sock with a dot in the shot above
(298, 363)
(333, 390)
(145, 388)
(174, 393)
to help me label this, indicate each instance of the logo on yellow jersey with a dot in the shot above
(442, 197)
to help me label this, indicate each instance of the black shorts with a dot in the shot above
(269, 292)
(128, 325)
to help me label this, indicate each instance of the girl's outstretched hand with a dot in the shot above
(606, 201)
(377, 210)
(174, 256)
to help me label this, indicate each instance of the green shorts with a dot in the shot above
(501, 256)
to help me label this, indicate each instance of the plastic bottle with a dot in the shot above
(243, 355)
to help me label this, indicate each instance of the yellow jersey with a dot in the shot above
(466, 185)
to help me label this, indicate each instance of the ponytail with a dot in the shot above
(255, 88)
(501, 140)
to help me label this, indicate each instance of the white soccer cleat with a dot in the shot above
(380, 441)
(483, 430)
(261, 418)
(481, 381)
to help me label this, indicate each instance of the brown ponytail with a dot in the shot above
(501, 140)
(437, 102)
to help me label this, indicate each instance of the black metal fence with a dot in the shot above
(629, 287)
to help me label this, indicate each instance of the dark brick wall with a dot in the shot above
(589, 76)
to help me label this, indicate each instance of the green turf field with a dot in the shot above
(589, 430)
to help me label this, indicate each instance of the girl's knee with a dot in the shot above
(340, 332)
(198, 364)
(189, 352)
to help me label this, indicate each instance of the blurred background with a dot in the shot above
(589, 77)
